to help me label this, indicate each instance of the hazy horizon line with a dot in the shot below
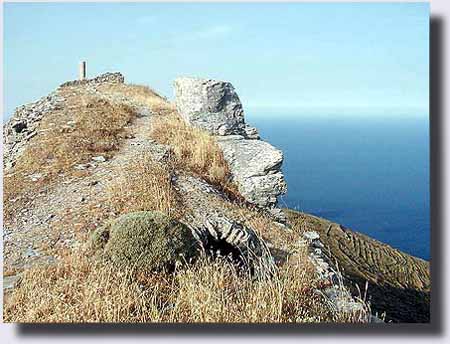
(411, 111)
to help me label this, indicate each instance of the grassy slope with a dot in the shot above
(97, 127)
(399, 284)
(79, 287)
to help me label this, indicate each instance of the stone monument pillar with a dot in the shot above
(82, 71)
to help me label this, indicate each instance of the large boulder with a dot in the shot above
(255, 166)
(211, 105)
(144, 241)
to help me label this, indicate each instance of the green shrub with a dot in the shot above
(144, 241)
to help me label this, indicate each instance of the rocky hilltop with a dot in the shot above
(101, 177)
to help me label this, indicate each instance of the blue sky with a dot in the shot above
(346, 57)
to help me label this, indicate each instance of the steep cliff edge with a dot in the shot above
(96, 150)
(398, 284)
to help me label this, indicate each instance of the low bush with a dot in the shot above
(145, 241)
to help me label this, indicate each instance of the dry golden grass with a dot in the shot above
(96, 127)
(195, 151)
(144, 185)
(141, 95)
(216, 291)
(81, 289)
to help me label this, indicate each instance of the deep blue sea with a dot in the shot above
(368, 173)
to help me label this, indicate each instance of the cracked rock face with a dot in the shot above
(255, 165)
(211, 105)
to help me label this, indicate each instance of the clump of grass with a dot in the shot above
(96, 126)
(195, 150)
(216, 291)
(145, 186)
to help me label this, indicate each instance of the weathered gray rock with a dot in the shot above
(255, 165)
(10, 282)
(216, 228)
(23, 124)
(110, 77)
(256, 168)
(211, 105)
(337, 295)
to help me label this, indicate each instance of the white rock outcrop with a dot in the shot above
(211, 105)
(255, 165)
(256, 169)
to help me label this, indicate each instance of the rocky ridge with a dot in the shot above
(213, 226)
(255, 166)
(23, 124)
(337, 294)
(110, 77)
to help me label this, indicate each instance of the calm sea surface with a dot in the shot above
(370, 174)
